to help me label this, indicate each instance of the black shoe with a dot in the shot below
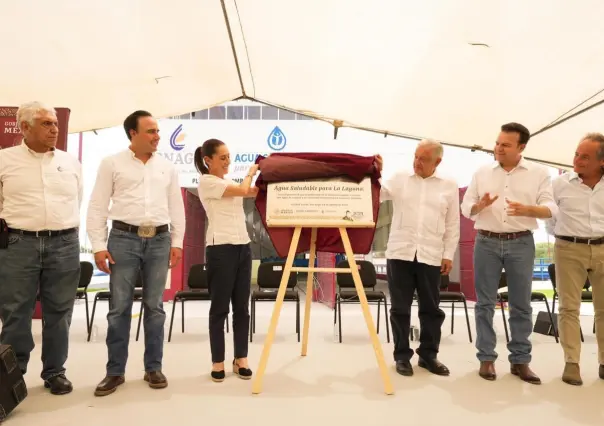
(58, 385)
(243, 373)
(434, 366)
(404, 368)
(601, 371)
(218, 376)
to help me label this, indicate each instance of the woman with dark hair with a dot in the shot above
(228, 253)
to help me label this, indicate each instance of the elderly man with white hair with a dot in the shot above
(423, 239)
(40, 197)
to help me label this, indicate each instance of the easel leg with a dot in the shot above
(309, 288)
(257, 385)
(377, 347)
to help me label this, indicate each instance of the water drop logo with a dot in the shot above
(177, 139)
(276, 140)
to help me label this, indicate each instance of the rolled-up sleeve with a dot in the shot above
(545, 195)
(470, 198)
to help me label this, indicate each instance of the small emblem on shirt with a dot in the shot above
(60, 169)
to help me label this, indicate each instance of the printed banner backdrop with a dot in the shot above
(10, 135)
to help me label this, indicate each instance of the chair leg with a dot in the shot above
(338, 300)
(182, 314)
(174, 302)
(87, 314)
(92, 317)
(252, 318)
(505, 323)
(581, 332)
(386, 320)
(452, 317)
(298, 318)
(551, 320)
(594, 330)
(554, 302)
(140, 320)
(465, 307)
(378, 317)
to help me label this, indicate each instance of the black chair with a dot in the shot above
(536, 296)
(586, 294)
(347, 293)
(86, 271)
(454, 297)
(198, 291)
(269, 279)
(106, 296)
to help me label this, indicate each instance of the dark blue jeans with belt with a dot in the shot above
(134, 255)
(52, 265)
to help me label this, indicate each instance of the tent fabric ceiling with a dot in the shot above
(452, 70)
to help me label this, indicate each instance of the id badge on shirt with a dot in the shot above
(147, 230)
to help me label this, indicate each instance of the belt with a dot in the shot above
(504, 235)
(45, 233)
(581, 240)
(122, 226)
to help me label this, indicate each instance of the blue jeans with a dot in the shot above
(133, 255)
(50, 265)
(517, 256)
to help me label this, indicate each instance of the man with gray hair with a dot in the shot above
(423, 239)
(579, 251)
(40, 197)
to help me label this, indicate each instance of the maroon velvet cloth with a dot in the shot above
(281, 167)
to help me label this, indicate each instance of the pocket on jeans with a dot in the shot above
(70, 238)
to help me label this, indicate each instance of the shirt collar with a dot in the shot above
(522, 163)
(572, 175)
(30, 151)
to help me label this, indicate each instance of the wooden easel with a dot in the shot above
(257, 383)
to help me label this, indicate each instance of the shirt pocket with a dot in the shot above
(160, 180)
(62, 185)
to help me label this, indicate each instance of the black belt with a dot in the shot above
(45, 233)
(504, 235)
(582, 240)
(122, 226)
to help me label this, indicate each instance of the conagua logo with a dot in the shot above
(177, 139)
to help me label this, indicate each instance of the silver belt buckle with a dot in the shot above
(147, 231)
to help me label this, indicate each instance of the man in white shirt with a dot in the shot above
(423, 239)
(148, 226)
(505, 199)
(579, 251)
(40, 197)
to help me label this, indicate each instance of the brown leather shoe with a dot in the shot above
(487, 370)
(156, 379)
(109, 385)
(524, 372)
(572, 374)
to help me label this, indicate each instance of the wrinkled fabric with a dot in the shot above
(282, 167)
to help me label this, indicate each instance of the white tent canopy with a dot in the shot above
(453, 70)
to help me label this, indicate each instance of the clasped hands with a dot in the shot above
(513, 208)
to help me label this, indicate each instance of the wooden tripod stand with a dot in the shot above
(311, 269)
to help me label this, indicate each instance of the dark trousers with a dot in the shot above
(50, 266)
(404, 278)
(229, 271)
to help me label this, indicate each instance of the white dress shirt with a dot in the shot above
(226, 217)
(528, 184)
(580, 209)
(141, 194)
(425, 221)
(40, 192)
